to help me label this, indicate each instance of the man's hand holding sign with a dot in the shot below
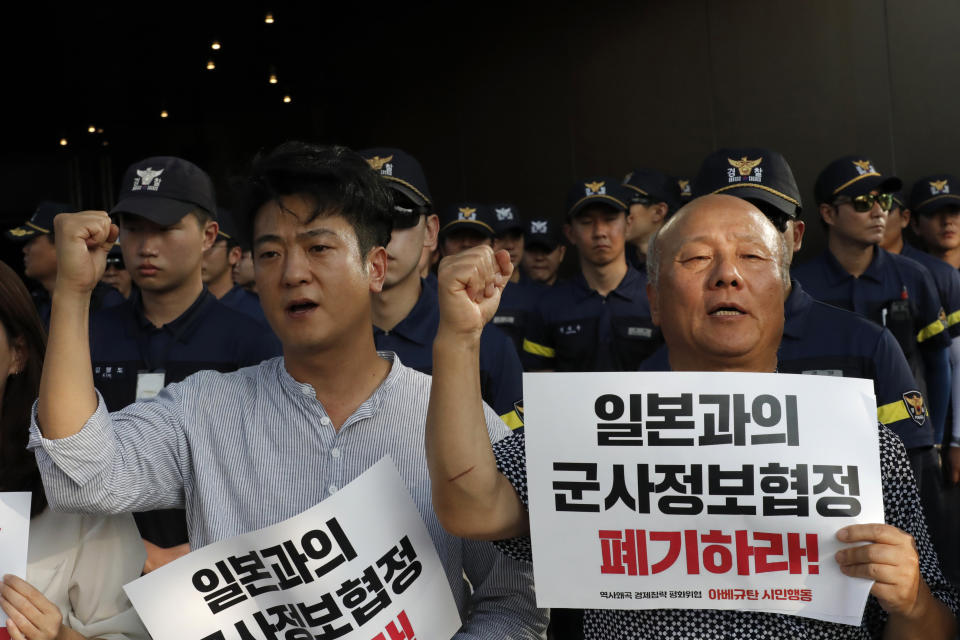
(719, 277)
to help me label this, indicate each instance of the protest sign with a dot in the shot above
(14, 531)
(699, 490)
(359, 565)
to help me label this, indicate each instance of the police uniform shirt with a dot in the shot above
(517, 302)
(894, 292)
(246, 302)
(501, 376)
(819, 339)
(103, 296)
(947, 280)
(577, 329)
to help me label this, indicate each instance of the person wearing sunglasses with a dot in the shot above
(116, 274)
(855, 273)
(405, 312)
(653, 197)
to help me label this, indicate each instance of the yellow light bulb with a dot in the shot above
(269, 18)
(287, 99)
(273, 78)
(215, 45)
(91, 129)
(210, 65)
(164, 114)
(63, 142)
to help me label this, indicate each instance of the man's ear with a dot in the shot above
(568, 232)
(906, 217)
(234, 256)
(376, 264)
(798, 228)
(433, 230)
(563, 251)
(659, 212)
(210, 231)
(654, 301)
(828, 213)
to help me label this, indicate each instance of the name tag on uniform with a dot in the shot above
(823, 372)
(149, 384)
(643, 332)
(504, 320)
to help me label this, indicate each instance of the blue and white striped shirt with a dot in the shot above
(244, 450)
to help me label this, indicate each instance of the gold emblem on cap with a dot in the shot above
(468, 211)
(376, 162)
(18, 232)
(594, 186)
(743, 165)
(864, 164)
(684, 184)
(938, 185)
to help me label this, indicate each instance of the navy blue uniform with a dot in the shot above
(103, 296)
(501, 376)
(246, 302)
(208, 335)
(819, 339)
(518, 302)
(577, 329)
(947, 280)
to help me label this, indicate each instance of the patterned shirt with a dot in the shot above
(901, 508)
(244, 450)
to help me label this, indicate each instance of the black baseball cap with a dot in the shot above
(899, 200)
(932, 193)
(402, 172)
(41, 222)
(542, 232)
(652, 185)
(852, 176)
(602, 190)
(506, 218)
(467, 215)
(163, 189)
(228, 227)
(750, 173)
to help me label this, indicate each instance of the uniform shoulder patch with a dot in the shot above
(913, 401)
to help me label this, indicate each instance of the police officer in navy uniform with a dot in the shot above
(171, 326)
(218, 266)
(543, 251)
(520, 296)
(599, 320)
(818, 339)
(653, 197)
(40, 259)
(405, 313)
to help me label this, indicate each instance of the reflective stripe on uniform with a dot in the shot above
(930, 330)
(512, 420)
(953, 318)
(538, 349)
(893, 412)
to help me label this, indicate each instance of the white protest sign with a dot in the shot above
(699, 490)
(14, 532)
(359, 565)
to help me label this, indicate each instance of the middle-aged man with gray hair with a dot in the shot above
(717, 288)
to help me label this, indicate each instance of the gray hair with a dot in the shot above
(784, 257)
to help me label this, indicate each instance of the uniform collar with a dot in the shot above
(837, 274)
(420, 325)
(626, 289)
(180, 326)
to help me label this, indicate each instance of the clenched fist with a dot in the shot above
(83, 240)
(469, 287)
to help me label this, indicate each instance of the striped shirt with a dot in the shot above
(244, 450)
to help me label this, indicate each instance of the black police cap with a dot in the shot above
(750, 173)
(603, 190)
(402, 172)
(505, 218)
(932, 193)
(163, 189)
(41, 222)
(852, 176)
(467, 215)
(654, 185)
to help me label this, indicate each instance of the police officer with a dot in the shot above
(854, 273)
(935, 202)
(543, 251)
(520, 296)
(40, 259)
(405, 313)
(600, 319)
(653, 197)
(219, 262)
(172, 326)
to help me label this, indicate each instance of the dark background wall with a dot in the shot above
(506, 102)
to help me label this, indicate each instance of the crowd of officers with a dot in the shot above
(871, 305)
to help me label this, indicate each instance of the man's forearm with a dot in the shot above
(470, 496)
(67, 396)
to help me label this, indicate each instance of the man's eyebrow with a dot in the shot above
(305, 235)
(266, 238)
(739, 236)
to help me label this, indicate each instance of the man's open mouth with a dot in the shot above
(726, 310)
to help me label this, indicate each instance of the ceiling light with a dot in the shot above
(91, 129)
(215, 45)
(269, 18)
(164, 114)
(287, 99)
(210, 65)
(63, 142)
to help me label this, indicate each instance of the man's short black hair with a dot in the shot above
(338, 180)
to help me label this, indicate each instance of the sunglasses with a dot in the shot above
(865, 202)
(405, 220)
(115, 262)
